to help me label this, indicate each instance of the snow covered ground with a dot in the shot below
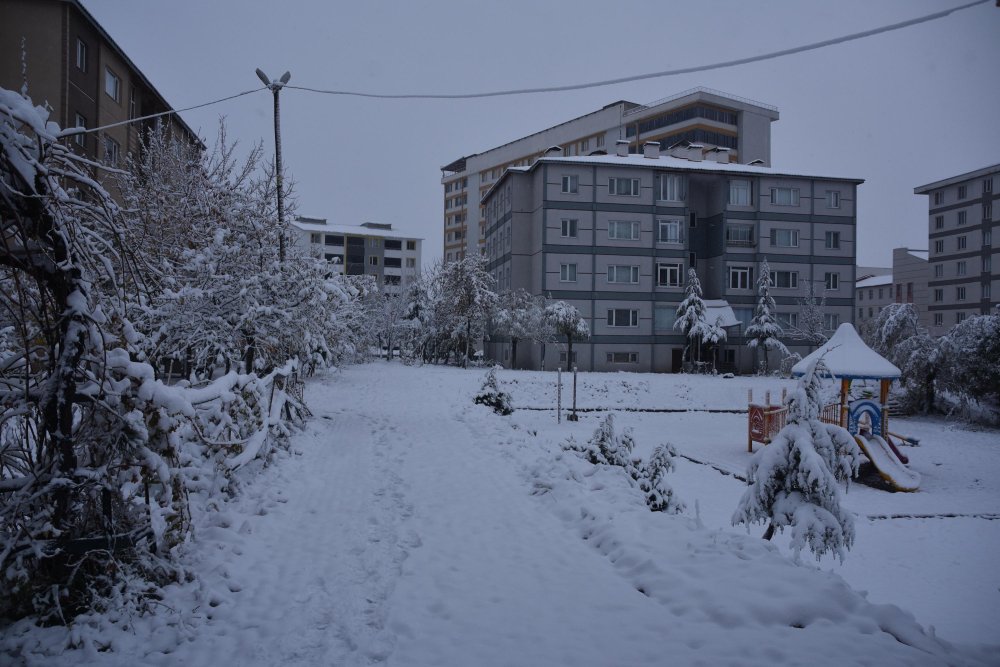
(411, 527)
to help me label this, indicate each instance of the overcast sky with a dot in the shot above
(898, 110)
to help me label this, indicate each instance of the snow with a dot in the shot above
(847, 356)
(356, 230)
(408, 526)
(888, 464)
(719, 312)
(874, 281)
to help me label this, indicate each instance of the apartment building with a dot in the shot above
(740, 129)
(64, 59)
(962, 220)
(371, 248)
(614, 235)
(905, 282)
(871, 295)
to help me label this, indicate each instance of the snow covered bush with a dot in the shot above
(491, 396)
(609, 447)
(763, 333)
(895, 333)
(970, 359)
(793, 481)
(652, 480)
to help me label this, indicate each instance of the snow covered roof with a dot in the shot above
(847, 356)
(874, 281)
(356, 230)
(718, 311)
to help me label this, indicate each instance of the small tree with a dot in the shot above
(659, 495)
(520, 316)
(691, 314)
(491, 396)
(565, 320)
(764, 330)
(793, 480)
(811, 328)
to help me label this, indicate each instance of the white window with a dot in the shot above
(960, 293)
(785, 279)
(939, 270)
(80, 139)
(939, 246)
(740, 193)
(668, 230)
(785, 196)
(938, 319)
(411, 245)
(668, 275)
(411, 263)
(567, 273)
(671, 187)
(622, 273)
(623, 230)
(960, 243)
(373, 260)
(562, 357)
(568, 228)
(112, 85)
(785, 238)
(375, 243)
(81, 55)
(832, 280)
(788, 320)
(112, 152)
(831, 321)
(833, 198)
(987, 185)
(960, 268)
(315, 238)
(740, 277)
(832, 240)
(623, 357)
(628, 187)
(571, 184)
(623, 317)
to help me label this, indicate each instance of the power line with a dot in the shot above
(653, 75)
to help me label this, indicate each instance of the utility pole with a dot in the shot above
(276, 87)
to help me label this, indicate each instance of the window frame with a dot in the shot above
(793, 235)
(833, 199)
(109, 76)
(662, 223)
(831, 281)
(831, 240)
(614, 182)
(666, 181)
(632, 317)
(792, 192)
(736, 271)
(793, 279)
(669, 267)
(736, 189)
(82, 52)
(570, 184)
(565, 270)
(114, 148)
(633, 227)
(630, 357)
(615, 271)
(569, 228)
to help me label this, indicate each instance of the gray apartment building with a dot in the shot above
(738, 127)
(905, 282)
(962, 220)
(371, 248)
(615, 234)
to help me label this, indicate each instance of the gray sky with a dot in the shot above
(899, 109)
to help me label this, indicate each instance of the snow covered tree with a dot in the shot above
(652, 480)
(691, 317)
(811, 327)
(970, 359)
(793, 481)
(566, 321)
(492, 396)
(608, 447)
(471, 294)
(519, 316)
(895, 333)
(764, 331)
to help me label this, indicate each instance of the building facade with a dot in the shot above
(740, 128)
(58, 53)
(368, 249)
(905, 282)
(871, 295)
(962, 220)
(614, 235)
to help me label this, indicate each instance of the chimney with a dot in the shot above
(554, 151)
(651, 149)
(720, 155)
(621, 147)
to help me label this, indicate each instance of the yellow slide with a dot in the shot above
(888, 464)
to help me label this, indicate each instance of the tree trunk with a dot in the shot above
(769, 533)
(513, 353)
(569, 352)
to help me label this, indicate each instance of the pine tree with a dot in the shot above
(659, 495)
(764, 330)
(691, 314)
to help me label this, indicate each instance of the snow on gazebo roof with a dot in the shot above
(847, 356)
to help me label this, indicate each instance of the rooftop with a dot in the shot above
(874, 281)
(382, 230)
(926, 189)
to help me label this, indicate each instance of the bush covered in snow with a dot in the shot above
(793, 481)
(659, 495)
(491, 396)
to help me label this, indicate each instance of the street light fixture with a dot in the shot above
(275, 87)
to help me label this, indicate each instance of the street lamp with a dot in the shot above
(276, 87)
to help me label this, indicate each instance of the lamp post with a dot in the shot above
(276, 87)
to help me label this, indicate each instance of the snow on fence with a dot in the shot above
(764, 421)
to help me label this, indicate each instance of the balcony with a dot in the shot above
(740, 236)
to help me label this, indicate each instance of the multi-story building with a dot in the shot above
(739, 128)
(905, 282)
(614, 235)
(370, 248)
(58, 53)
(871, 295)
(962, 219)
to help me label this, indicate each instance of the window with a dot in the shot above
(960, 243)
(744, 315)
(861, 295)
(861, 313)
(568, 228)
(870, 311)
(871, 296)
(937, 198)
(987, 185)
(833, 240)
(393, 280)
(833, 198)
(831, 281)
(567, 273)
(664, 316)
(621, 273)
(740, 193)
(562, 357)
(938, 222)
(315, 238)
(899, 293)
(671, 187)
(111, 151)
(623, 357)
(740, 277)
(668, 275)
(987, 290)
(987, 210)
(375, 243)
(80, 139)
(112, 85)
(623, 317)
(880, 292)
(787, 320)
(411, 245)
(988, 237)
(785, 238)
(959, 318)
(962, 192)
(393, 262)
(739, 235)
(939, 270)
(623, 230)
(938, 319)
(987, 264)
(373, 260)
(785, 196)
(81, 55)
(909, 292)
(785, 279)
(585, 145)
(628, 187)
(411, 263)
(334, 239)
(571, 184)
(960, 268)
(939, 246)
(959, 293)
(962, 217)
(831, 321)
(393, 244)
(668, 231)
